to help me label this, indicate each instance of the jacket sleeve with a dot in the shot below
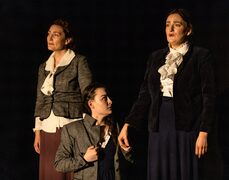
(84, 74)
(140, 107)
(207, 77)
(39, 96)
(68, 158)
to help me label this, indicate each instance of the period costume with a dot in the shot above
(75, 140)
(178, 98)
(59, 102)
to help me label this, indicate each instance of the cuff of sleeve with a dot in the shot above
(38, 124)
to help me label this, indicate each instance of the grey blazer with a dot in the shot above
(69, 84)
(76, 137)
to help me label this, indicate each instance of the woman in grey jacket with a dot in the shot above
(89, 147)
(61, 82)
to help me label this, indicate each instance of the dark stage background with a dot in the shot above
(117, 36)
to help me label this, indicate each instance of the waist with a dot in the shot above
(166, 98)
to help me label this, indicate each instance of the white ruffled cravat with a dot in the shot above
(47, 87)
(169, 69)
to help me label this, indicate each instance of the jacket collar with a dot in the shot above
(65, 60)
(92, 129)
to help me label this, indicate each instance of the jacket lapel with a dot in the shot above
(184, 62)
(60, 69)
(92, 130)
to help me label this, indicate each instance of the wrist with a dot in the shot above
(203, 134)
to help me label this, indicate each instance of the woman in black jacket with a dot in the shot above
(178, 97)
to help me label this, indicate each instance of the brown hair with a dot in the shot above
(89, 94)
(184, 14)
(67, 28)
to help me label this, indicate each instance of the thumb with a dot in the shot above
(91, 147)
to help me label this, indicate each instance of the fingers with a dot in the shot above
(200, 151)
(127, 149)
(122, 138)
(91, 154)
(37, 148)
(123, 142)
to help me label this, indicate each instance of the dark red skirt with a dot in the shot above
(49, 145)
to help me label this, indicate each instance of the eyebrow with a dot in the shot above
(174, 22)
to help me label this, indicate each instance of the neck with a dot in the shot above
(58, 55)
(100, 120)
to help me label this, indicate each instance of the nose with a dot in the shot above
(49, 36)
(109, 101)
(171, 28)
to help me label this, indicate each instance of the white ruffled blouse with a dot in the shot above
(169, 69)
(53, 122)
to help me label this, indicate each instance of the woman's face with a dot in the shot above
(176, 30)
(101, 104)
(56, 39)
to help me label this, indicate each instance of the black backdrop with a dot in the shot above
(117, 37)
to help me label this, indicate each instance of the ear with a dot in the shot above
(189, 31)
(68, 40)
(90, 104)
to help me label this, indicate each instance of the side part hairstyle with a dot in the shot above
(89, 94)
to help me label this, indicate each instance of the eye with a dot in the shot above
(178, 24)
(56, 34)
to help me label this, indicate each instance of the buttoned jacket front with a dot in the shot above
(69, 84)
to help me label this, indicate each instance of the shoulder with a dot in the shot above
(202, 54)
(159, 52)
(79, 57)
(42, 65)
(73, 126)
(200, 50)
(157, 55)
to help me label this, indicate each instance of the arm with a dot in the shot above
(39, 95)
(140, 107)
(123, 138)
(206, 69)
(36, 143)
(84, 74)
(39, 103)
(68, 157)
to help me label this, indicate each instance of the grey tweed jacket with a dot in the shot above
(76, 137)
(69, 84)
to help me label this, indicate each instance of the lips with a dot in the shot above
(171, 35)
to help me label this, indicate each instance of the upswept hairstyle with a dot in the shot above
(68, 31)
(184, 15)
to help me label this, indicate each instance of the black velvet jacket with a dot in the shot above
(193, 91)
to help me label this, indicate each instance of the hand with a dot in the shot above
(201, 144)
(122, 138)
(37, 142)
(91, 154)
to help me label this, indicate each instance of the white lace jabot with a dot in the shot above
(47, 87)
(169, 69)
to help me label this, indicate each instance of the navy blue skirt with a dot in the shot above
(171, 153)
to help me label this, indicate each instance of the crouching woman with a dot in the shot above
(89, 147)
